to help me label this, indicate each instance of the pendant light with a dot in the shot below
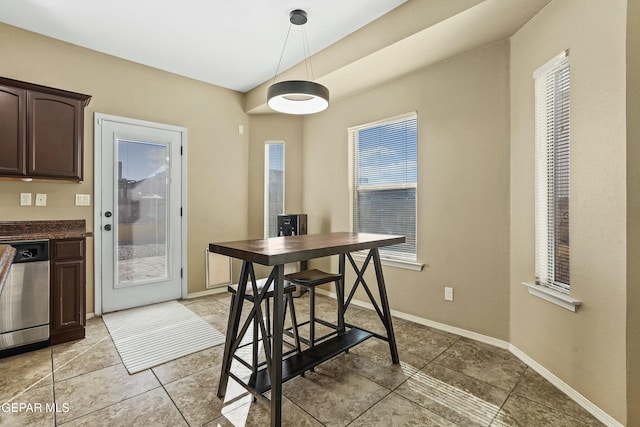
(297, 96)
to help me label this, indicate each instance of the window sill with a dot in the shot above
(555, 297)
(407, 265)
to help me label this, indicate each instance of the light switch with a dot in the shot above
(25, 199)
(448, 293)
(83, 199)
(41, 199)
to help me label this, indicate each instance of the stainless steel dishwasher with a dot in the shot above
(24, 302)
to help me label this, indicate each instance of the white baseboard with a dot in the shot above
(589, 406)
(426, 322)
(451, 329)
(212, 291)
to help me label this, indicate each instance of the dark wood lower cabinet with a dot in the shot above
(68, 283)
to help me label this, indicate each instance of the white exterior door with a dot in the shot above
(138, 212)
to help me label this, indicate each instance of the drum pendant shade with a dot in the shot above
(297, 96)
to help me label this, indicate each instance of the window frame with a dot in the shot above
(407, 260)
(266, 219)
(550, 168)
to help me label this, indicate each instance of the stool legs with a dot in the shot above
(312, 311)
(294, 323)
(310, 279)
(262, 328)
(312, 316)
(288, 301)
(254, 358)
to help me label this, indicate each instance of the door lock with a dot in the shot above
(107, 214)
(107, 227)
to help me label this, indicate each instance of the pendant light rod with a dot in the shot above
(281, 55)
(307, 55)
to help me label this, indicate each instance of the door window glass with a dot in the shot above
(142, 211)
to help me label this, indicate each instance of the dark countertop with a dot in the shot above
(11, 231)
(6, 259)
(43, 230)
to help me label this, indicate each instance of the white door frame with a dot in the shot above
(97, 189)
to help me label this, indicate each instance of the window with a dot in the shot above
(552, 173)
(273, 186)
(384, 181)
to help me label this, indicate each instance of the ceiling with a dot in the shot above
(235, 44)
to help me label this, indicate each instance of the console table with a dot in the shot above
(276, 252)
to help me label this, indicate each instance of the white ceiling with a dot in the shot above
(235, 44)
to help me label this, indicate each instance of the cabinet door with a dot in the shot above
(13, 130)
(68, 307)
(55, 136)
(67, 290)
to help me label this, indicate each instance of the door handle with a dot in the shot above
(107, 214)
(107, 227)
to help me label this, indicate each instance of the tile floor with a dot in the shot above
(442, 380)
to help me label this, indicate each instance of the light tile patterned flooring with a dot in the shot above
(442, 380)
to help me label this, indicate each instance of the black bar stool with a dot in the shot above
(257, 320)
(310, 279)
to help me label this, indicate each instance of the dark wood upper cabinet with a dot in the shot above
(13, 131)
(41, 131)
(55, 142)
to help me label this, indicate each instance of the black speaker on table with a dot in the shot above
(292, 224)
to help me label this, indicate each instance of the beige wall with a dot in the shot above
(633, 212)
(274, 127)
(584, 349)
(463, 191)
(217, 154)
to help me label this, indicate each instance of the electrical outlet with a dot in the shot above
(41, 199)
(448, 294)
(25, 199)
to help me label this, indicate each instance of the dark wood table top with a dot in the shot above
(282, 250)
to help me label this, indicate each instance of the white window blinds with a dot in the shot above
(273, 186)
(552, 137)
(384, 180)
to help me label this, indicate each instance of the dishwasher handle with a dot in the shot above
(30, 251)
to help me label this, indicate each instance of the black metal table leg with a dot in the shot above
(385, 306)
(276, 348)
(340, 293)
(232, 329)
